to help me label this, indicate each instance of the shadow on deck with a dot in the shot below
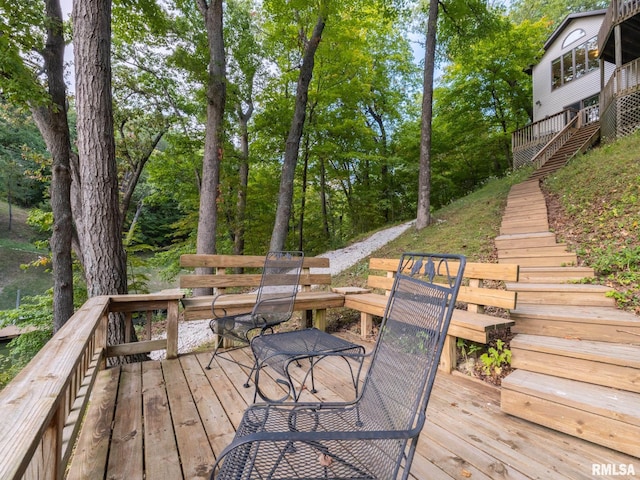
(169, 419)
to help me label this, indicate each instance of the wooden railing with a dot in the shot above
(625, 80)
(527, 142)
(618, 12)
(558, 140)
(41, 410)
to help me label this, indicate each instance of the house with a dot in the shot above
(588, 76)
(568, 74)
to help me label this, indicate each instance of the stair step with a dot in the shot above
(601, 415)
(521, 202)
(525, 229)
(606, 324)
(554, 274)
(609, 364)
(533, 252)
(561, 294)
(549, 260)
(525, 221)
(522, 240)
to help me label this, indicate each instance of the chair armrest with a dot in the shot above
(213, 307)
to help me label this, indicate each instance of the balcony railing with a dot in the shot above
(625, 80)
(538, 141)
(618, 12)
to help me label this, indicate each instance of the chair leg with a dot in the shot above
(208, 367)
(253, 369)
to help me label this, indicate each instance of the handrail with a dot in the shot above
(555, 143)
(624, 80)
(538, 132)
(43, 406)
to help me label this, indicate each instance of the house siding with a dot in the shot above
(547, 102)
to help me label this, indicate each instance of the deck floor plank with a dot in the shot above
(196, 454)
(126, 459)
(190, 414)
(503, 436)
(161, 451)
(217, 425)
(92, 448)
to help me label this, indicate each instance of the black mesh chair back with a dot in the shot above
(374, 437)
(278, 288)
(406, 356)
(275, 299)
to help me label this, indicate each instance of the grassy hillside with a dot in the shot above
(16, 249)
(599, 214)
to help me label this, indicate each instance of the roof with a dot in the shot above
(568, 19)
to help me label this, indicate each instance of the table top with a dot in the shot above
(301, 344)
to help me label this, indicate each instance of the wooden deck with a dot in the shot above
(168, 420)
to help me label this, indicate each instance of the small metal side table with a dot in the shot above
(280, 350)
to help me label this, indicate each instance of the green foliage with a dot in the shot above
(35, 312)
(468, 348)
(21, 148)
(496, 358)
(553, 11)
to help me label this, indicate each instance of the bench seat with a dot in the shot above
(464, 324)
(199, 308)
(479, 291)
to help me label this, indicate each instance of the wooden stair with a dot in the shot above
(579, 142)
(577, 357)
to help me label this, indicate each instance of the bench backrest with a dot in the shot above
(475, 291)
(221, 277)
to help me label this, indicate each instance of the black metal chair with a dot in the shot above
(375, 436)
(276, 295)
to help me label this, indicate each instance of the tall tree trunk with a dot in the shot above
(387, 190)
(323, 199)
(52, 123)
(303, 199)
(424, 176)
(285, 196)
(100, 237)
(243, 178)
(216, 97)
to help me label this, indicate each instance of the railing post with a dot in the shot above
(172, 329)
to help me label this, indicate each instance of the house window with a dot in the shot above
(573, 36)
(556, 73)
(575, 63)
(567, 67)
(592, 52)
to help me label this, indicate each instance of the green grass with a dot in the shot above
(600, 194)
(16, 249)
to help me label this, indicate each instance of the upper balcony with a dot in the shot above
(625, 13)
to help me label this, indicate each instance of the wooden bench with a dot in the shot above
(471, 324)
(309, 299)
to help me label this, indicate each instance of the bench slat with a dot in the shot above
(247, 280)
(193, 260)
(199, 308)
(507, 272)
(476, 295)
